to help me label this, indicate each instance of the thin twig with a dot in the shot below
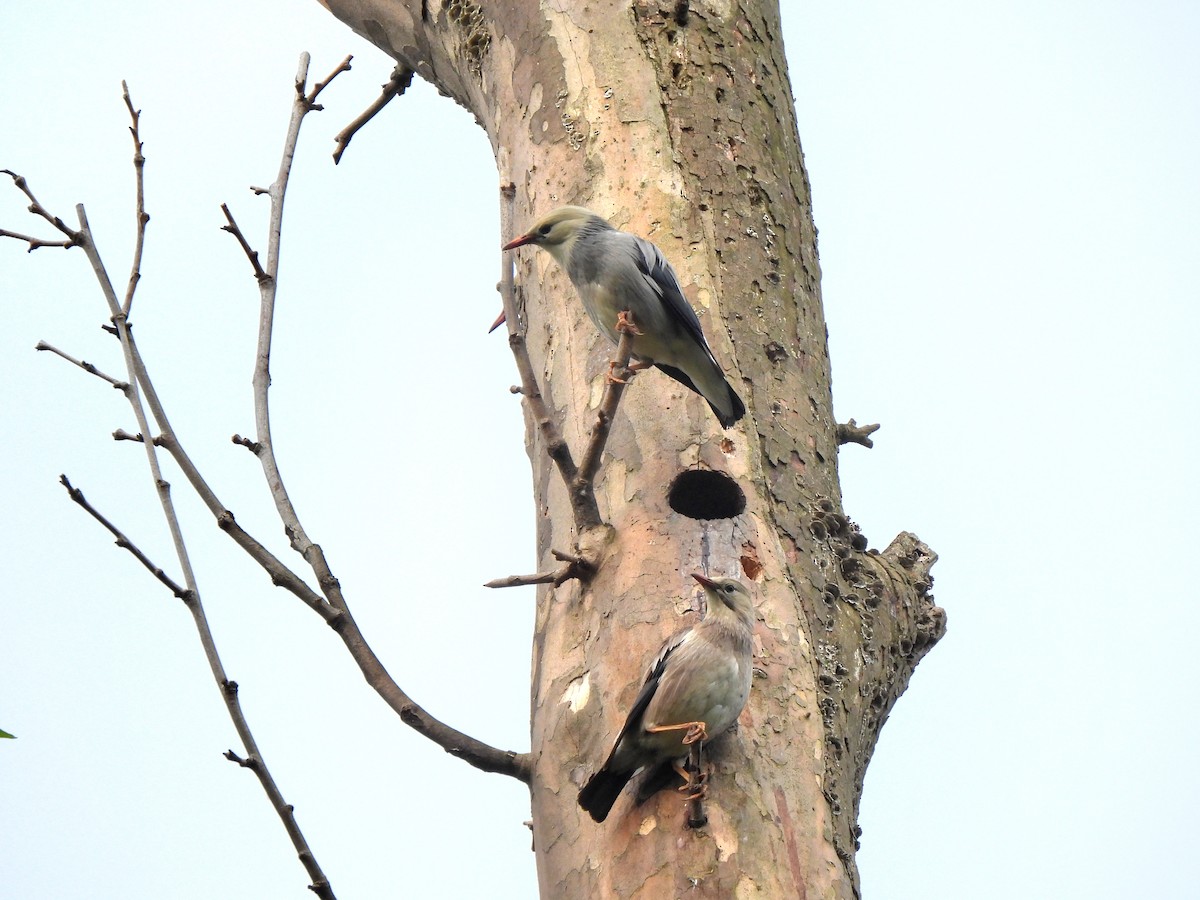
(139, 167)
(83, 364)
(584, 508)
(577, 566)
(191, 596)
(343, 66)
(122, 541)
(38, 210)
(267, 284)
(696, 816)
(590, 465)
(319, 883)
(34, 242)
(523, 580)
(853, 433)
(280, 574)
(401, 79)
(253, 446)
(251, 254)
(477, 753)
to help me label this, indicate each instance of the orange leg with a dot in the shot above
(625, 323)
(611, 377)
(695, 786)
(695, 731)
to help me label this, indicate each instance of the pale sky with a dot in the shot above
(1008, 205)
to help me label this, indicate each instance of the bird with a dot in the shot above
(620, 275)
(695, 690)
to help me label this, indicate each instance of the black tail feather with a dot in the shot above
(601, 792)
(735, 402)
(656, 780)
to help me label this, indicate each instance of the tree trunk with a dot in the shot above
(675, 121)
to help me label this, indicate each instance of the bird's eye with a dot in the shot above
(729, 588)
(544, 230)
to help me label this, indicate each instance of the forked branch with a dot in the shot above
(455, 742)
(580, 479)
(229, 691)
(139, 167)
(400, 81)
(187, 591)
(853, 433)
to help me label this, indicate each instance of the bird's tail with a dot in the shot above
(731, 407)
(656, 780)
(735, 402)
(601, 792)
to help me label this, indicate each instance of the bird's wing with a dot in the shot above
(650, 685)
(661, 278)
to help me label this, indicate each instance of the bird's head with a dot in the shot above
(557, 231)
(728, 593)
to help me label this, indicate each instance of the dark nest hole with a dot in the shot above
(704, 494)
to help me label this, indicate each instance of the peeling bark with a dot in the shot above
(676, 122)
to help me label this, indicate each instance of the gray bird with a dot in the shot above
(695, 690)
(616, 272)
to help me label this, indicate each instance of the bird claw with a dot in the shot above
(625, 324)
(611, 378)
(695, 784)
(696, 732)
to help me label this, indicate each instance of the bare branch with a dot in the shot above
(336, 611)
(122, 541)
(267, 284)
(251, 254)
(478, 754)
(580, 480)
(523, 580)
(402, 77)
(35, 243)
(586, 477)
(343, 66)
(229, 691)
(586, 511)
(83, 364)
(697, 787)
(191, 595)
(577, 566)
(38, 210)
(139, 167)
(234, 758)
(253, 446)
(853, 433)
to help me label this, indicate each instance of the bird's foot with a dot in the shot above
(625, 323)
(611, 376)
(696, 732)
(695, 784)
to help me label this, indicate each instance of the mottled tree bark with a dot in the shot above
(676, 122)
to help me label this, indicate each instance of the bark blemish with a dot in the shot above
(789, 838)
(578, 692)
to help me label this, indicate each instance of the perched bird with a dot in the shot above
(695, 689)
(616, 272)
